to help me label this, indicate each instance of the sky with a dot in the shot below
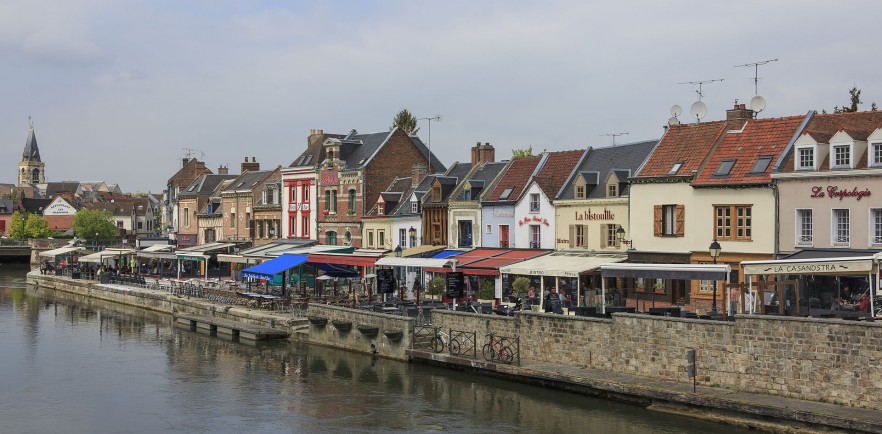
(121, 90)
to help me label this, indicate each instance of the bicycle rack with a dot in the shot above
(422, 337)
(513, 344)
(467, 343)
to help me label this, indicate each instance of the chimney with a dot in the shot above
(488, 153)
(475, 154)
(417, 173)
(184, 161)
(737, 117)
(223, 170)
(314, 136)
(252, 166)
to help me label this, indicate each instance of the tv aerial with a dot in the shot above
(699, 108)
(757, 103)
(676, 110)
(614, 135)
(700, 83)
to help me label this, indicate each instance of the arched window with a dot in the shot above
(35, 178)
(348, 237)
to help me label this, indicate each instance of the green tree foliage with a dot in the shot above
(436, 286)
(406, 121)
(855, 100)
(524, 153)
(28, 225)
(486, 291)
(17, 226)
(520, 286)
(87, 223)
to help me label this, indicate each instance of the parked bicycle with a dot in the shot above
(441, 339)
(495, 350)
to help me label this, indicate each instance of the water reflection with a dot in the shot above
(87, 366)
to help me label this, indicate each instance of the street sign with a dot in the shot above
(455, 284)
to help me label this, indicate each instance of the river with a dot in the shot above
(75, 365)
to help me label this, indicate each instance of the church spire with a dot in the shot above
(31, 169)
(31, 151)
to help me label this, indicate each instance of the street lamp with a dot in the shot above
(715, 250)
(398, 252)
(429, 142)
(412, 234)
(620, 235)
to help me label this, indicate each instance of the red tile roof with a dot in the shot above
(759, 138)
(823, 126)
(686, 143)
(516, 177)
(557, 168)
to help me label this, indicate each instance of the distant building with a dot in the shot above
(31, 169)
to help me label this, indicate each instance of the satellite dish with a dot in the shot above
(698, 110)
(673, 121)
(676, 110)
(757, 104)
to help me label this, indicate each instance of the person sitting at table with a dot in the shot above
(864, 304)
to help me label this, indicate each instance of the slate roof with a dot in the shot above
(315, 152)
(399, 190)
(204, 185)
(623, 160)
(6, 206)
(760, 138)
(358, 149)
(188, 172)
(31, 150)
(516, 178)
(115, 208)
(247, 181)
(54, 188)
(449, 180)
(482, 176)
(558, 166)
(35, 206)
(686, 143)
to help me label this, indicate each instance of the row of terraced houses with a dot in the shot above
(761, 187)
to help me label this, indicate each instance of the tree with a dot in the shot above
(524, 153)
(406, 121)
(520, 286)
(855, 101)
(436, 286)
(486, 290)
(17, 228)
(88, 222)
(29, 225)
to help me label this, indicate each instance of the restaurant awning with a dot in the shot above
(668, 271)
(486, 261)
(562, 264)
(274, 266)
(424, 251)
(391, 261)
(447, 254)
(841, 265)
(61, 251)
(351, 259)
(197, 253)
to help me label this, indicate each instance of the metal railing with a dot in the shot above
(502, 349)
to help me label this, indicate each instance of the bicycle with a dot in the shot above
(496, 350)
(441, 339)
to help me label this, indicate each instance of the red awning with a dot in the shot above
(486, 262)
(354, 260)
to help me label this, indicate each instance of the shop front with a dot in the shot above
(617, 298)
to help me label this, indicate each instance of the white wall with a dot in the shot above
(545, 215)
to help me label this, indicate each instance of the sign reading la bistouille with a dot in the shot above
(834, 192)
(588, 215)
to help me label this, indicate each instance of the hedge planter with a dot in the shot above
(368, 331)
(343, 326)
(317, 320)
(393, 334)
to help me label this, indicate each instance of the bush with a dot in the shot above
(487, 291)
(436, 286)
(520, 286)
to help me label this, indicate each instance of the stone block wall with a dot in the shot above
(355, 340)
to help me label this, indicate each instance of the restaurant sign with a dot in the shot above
(533, 219)
(834, 192)
(588, 215)
(330, 178)
(820, 267)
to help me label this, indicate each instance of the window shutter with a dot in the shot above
(657, 221)
(572, 236)
(602, 236)
(681, 220)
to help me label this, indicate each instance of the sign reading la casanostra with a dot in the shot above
(834, 192)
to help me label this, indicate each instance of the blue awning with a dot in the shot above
(335, 270)
(274, 266)
(446, 254)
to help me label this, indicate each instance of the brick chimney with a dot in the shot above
(483, 154)
(737, 117)
(314, 136)
(417, 173)
(223, 170)
(252, 166)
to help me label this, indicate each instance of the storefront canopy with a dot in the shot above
(197, 253)
(561, 264)
(355, 259)
(392, 261)
(447, 254)
(107, 253)
(486, 261)
(668, 271)
(62, 251)
(841, 265)
(274, 266)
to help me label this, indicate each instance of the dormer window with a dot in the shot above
(414, 207)
(380, 208)
(580, 192)
(675, 168)
(612, 190)
(725, 168)
(876, 154)
(330, 158)
(805, 158)
(467, 195)
(762, 164)
(436, 193)
(842, 156)
(506, 193)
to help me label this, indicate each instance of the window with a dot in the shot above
(140, 225)
(380, 208)
(669, 220)
(489, 229)
(732, 222)
(535, 236)
(762, 164)
(725, 168)
(304, 195)
(331, 160)
(612, 190)
(370, 239)
(804, 227)
(381, 239)
(503, 236)
(327, 201)
(412, 237)
(347, 237)
(842, 156)
(304, 226)
(805, 158)
(465, 233)
(402, 238)
(876, 154)
(334, 201)
(436, 193)
(534, 202)
(414, 207)
(579, 236)
(232, 220)
(876, 226)
(675, 168)
(293, 195)
(506, 193)
(186, 222)
(841, 226)
(292, 226)
(332, 238)
(580, 192)
(608, 235)
(466, 195)
(352, 203)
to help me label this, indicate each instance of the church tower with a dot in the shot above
(31, 168)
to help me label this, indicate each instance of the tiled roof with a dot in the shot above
(190, 171)
(516, 178)
(686, 143)
(247, 181)
(624, 160)
(759, 138)
(555, 171)
(115, 208)
(823, 126)
(205, 184)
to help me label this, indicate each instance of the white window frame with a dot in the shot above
(535, 205)
(414, 207)
(402, 238)
(799, 227)
(849, 149)
(875, 226)
(874, 149)
(835, 239)
(797, 163)
(489, 229)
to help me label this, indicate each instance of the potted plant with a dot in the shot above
(659, 287)
(350, 212)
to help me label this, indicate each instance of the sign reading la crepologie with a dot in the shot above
(834, 192)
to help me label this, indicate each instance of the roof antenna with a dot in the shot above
(614, 135)
(699, 108)
(757, 103)
(699, 83)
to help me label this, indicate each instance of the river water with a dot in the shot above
(75, 365)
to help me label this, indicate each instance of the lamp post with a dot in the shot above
(714, 250)
(429, 142)
(620, 235)
(412, 236)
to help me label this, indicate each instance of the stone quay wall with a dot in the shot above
(355, 340)
(825, 360)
